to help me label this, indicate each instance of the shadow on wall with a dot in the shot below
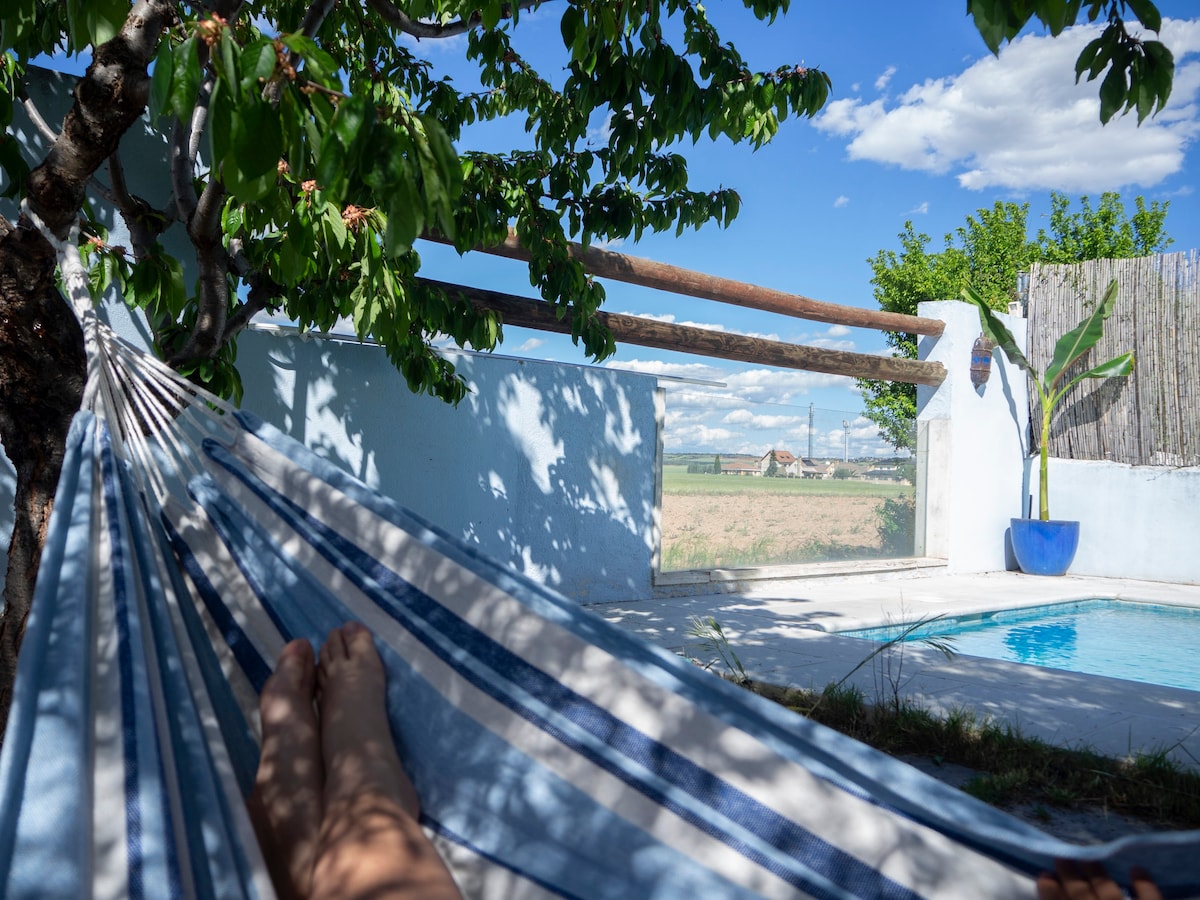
(547, 468)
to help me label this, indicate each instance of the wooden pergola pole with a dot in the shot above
(526, 313)
(647, 273)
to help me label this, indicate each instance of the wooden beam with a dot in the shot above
(647, 273)
(526, 313)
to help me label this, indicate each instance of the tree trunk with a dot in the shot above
(42, 364)
(42, 370)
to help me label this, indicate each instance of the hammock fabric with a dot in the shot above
(555, 755)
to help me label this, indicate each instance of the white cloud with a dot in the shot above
(1019, 121)
(530, 345)
(841, 201)
(882, 81)
(699, 437)
(920, 209)
(744, 418)
(837, 331)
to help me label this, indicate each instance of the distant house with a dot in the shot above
(810, 468)
(885, 473)
(749, 469)
(786, 464)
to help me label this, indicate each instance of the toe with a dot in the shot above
(296, 664)
(357, 640)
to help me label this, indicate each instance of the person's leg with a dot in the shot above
(370, 842)
(286, 804)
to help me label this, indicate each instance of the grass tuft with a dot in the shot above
(1011, 768)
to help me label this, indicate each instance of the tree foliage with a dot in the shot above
(312, 147)
(987, 253)
(1137, 73)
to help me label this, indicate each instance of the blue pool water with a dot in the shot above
(1136, 641)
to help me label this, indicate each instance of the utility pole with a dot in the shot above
(846, 441)
(811, 410)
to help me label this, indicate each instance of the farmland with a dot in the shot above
(713, 521)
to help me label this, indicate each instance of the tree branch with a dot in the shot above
(145, 223)
(109, 99)
(418, 29)
(185, 149)
(35, 115)
(204, 229)
(316, 15)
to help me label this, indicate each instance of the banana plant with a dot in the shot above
(1071, 347)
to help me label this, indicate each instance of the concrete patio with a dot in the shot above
(780, 630)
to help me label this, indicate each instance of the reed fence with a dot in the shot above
(1153, 417)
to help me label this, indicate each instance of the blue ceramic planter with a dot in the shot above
(1044, 548)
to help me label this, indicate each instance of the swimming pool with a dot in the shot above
(1146, 642)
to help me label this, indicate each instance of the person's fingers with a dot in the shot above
(1089, 881)
(1073, 882)
(1143, 887)
(1103, 887)
(1049, 887)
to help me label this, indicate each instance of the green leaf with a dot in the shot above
(227, 59)
(997, 331)
(1082, 338)
(105, 19)
(352, 119)
(318, 65)
(341, 147)
(1118, 367)
(245, 188)
(257, 140)
(1113, 92)
(405, 219)
(1087, 57)
(160, 81)
(12, 165)
(571, 24)
(258, 64)
(1148, 13)
(333, 228)
(220, 119)
(185, 80)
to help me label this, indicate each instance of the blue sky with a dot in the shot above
(923, 124)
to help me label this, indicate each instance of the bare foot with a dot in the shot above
(371, 844)
(286, 804)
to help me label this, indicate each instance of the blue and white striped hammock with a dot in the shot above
(554, 754)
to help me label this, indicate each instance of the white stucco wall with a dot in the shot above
(970, 446)
(548, 468)
(1136, 521)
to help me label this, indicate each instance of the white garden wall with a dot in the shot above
(1136, 522)
(547, 468)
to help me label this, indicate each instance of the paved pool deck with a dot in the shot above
(780, 630)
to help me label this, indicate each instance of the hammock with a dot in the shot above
(555, 755)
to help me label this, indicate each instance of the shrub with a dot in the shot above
(897, 524)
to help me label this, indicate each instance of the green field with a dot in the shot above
(676, 480)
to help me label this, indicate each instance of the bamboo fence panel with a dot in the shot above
(1153, 417)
